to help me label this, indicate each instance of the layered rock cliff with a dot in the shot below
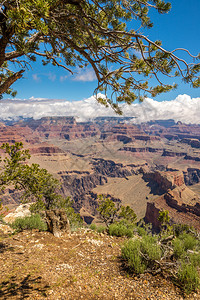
(182, 203)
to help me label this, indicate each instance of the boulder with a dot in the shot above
(20, 212)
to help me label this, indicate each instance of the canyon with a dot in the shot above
(151, 167)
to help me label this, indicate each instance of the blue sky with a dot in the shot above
(179, 28)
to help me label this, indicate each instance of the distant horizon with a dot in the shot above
(183, 108)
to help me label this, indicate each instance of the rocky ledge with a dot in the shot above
(181, 202)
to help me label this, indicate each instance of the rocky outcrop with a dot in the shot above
(21, 211)
(161, 182)
(62, 127)
(192, 176)
(194, 143)
(80, 185)
(194, 158)
(141, 149)
(152, 215)
(125, 133)
(111, 169)
(171, 153)
(182, 204)
(167, 129)
(118, 137)
(16, 133)
(45, 150)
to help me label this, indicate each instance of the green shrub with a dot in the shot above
(178, 248)
(32, 222)
(150, 247)
(111, 212)
(181, 228)
(118, 229)
(151, 252)
(195, 259)
(188, 278)
(141, 231)
(140, 253)
(130, 253)
(189, 241)
(101, 229)
(143, 228)
(185, 241)
(93, 226)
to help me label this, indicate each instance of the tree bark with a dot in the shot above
(10, 80)
(57, 222)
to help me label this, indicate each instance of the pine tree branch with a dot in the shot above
(10, 80)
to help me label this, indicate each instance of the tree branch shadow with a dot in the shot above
(22, 288)
(4, 247)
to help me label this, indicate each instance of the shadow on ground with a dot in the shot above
(22, 289)
(4, 247)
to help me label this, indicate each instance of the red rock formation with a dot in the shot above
(16, 133)
(63, 127)
(142, 149)
(125, 133)
(45, 150)
(173, 153)
(181, 202)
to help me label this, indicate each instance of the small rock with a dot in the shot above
(5, 229)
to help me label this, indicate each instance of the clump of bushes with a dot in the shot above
(32, 222)
(121, 229)
(101, 229)
(93, 226)
(119, 220)
(188, 277)
(174, 251)
(140, 253)
(111, 212)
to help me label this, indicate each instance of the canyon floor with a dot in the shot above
(81, 265)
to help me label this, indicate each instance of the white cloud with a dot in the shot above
(85, 75)
(51, 76)
(32, 98)
(183, 108)
(63, 78)
(36, 78)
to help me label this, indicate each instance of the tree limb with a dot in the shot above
(10, 80)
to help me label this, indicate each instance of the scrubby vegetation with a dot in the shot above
(74, 218)
(37, 185)
(111, 212)
(32, 222)
(121, 229)
(174, 252)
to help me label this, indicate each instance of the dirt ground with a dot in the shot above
(81, 265)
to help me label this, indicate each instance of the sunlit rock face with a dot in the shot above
(181, 202)
(20, 212)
